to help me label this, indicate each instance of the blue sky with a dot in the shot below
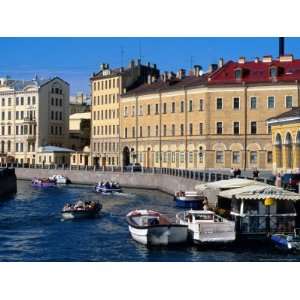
(74, 59)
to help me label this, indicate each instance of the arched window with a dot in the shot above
(278, 151)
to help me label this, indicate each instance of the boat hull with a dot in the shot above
(81, 214)
(281, 241)
(184, 203)
(43, 185)
(107, 191)
(161, 235)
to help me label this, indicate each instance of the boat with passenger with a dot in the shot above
(152, 228)
(108, 187)
(43, 182)
(60, 179)
(189, 199)
(81, 209)
(206, 226)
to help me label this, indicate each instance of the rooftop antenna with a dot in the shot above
(140, 50)
(281, 46)
(122, 56)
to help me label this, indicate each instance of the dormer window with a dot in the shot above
(273, 72)
(238, 74)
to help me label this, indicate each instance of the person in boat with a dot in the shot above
(205, 203)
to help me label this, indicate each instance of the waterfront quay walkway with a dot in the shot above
(165, 179)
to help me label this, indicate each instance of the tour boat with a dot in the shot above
(189, 199)
(60, 179)
(107, 187)
(43, 182)
(286, 241)
(151, 228)
(81, 209)
(206, 227)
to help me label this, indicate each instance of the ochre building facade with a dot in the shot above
(215, 120)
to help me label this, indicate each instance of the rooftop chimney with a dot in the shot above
(181, 74)
(281, 46)
(149, 79)
(221, 62)
(241, 60)
(267, 59)
(256, 60)
(212, 68)
(104, 67)
(196, 70)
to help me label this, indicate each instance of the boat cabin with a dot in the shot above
(201, 216)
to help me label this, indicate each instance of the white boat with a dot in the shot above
(206, 227)
(107, 187)
(60, 179)
(149, 227)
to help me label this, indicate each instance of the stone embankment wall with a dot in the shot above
(166, 183)
(8, 182)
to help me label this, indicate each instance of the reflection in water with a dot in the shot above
(31, 229)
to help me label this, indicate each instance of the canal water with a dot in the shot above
(31, 229)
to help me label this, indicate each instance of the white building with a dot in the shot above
(33, 113)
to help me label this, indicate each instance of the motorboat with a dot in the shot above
(206, 226)
(108, 187)
(189, 199)
(60, 179)
(43, 182)
(152, 228)
(81, 209)
(286, 241)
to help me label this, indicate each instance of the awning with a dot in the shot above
(246, 189)
(226, 184)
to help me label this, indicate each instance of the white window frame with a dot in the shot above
(239, 160)
(268, 102)
(233, 103)
(233, 127)
(251, 102)
(286, 102)
(217, 127)
(217, 103)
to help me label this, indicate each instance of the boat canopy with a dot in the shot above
(226, 184)
(259, 191)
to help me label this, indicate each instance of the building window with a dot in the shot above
(253, 157)
(156, 130)
(133, 131)
(219, 128)
(253, 127)
(141, 131)
(181, 129)
(191, 129)
(253, 102)
(191, 105)
(236, 128)
(9, 102)
(238, 74)
(219, 157)
(269, 129)
(182, 106)
(201, 107)
(141, 110)
(149, 130)
(271, 102)
(236, 157)
(125, 111)
(125, 133)
(173, 129)
(200, 128)
(156, 109)
(165, 108)
(165, 130)
(133, 111)
(200, 155)
(157, 157)
(182, 157)
(173, 107)
(191, 157)
(288, 101)
(173, 157)
(148, 109)
(269, 157)
(17, 101)
(219, 103)
(236, 103)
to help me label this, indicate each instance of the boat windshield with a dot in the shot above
(206, 217)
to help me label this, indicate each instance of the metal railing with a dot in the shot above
(199, 175)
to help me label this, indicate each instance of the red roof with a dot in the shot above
(257, 72)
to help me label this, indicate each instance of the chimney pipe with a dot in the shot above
(281, 46)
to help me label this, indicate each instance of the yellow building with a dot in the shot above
(286, 141)
(215, 120)
(107, 86)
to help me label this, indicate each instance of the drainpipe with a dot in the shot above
(137, 130)
(246, 126)
(186, 127)
(160, 157)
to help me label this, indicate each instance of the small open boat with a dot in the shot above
(286, 241)
(43, 182)
(149, 227)
(60, 179)
(207, 227)
(80, 209)
(108, 187)
(189, 199)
